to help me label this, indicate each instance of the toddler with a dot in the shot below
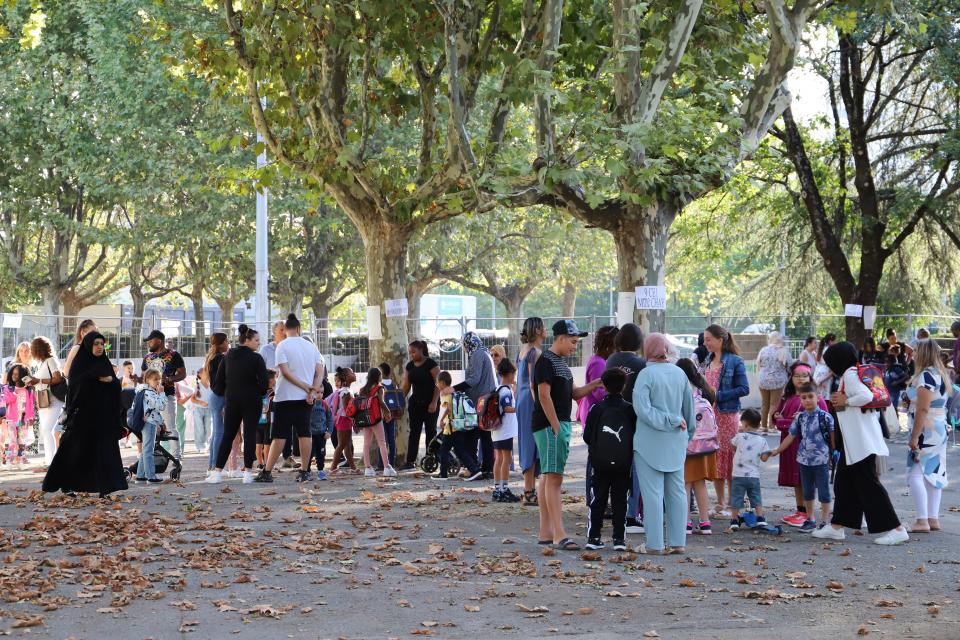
(341, 422)
(445, 421)
(750, 445)
(154, 404)
(16, 432)
(264, 437)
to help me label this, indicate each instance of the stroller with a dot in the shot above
(161, 457)
(430, 461)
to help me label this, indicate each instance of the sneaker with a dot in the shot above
(389, 472)
(441, 476)
(321, 475)
(264, 476)
(619, 545)
(289, 463)
(829, 533)
(476, 476)
(734, 525)
(809, 526)
(304, 476)
(795, 519)
(634, 526)
(595, 543)
(761, 521)
(215, 477)
(509, 496)
(248, 477)
(894, 536)
(140, 480)
(706, 529)
(369, 472)
(497, 496)
(689, 527)
(154, 480)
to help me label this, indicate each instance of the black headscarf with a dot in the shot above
(86, 365)
(840, 357)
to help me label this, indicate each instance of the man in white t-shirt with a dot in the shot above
(299, 384)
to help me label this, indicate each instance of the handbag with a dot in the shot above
(43, 398)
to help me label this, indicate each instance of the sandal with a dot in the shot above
(934, 524)
(530, 498)
(544, 541)
(567, 544)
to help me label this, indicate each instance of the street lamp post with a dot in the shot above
(263, 272)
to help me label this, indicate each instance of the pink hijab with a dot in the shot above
(656, 347)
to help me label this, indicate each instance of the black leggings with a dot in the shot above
(858, 492)
(420, 421)
(248, 412)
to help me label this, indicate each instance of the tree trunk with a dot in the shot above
(321, 315)
(136, 326)
(51, 313)
(386, 262)
(641, 241)
(569, 300)
(226, 313)
(514, 305)
(199, 324)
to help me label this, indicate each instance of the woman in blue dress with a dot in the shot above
(532, 337)
(927, 461)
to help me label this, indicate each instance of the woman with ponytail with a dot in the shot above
(727, 376)
(244, 376)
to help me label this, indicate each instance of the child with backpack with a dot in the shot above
(396, 402)
(264, 438)
(321, 424)
(368, 410)
(154, 406)
(750, 445)
(896, 375)
(701, 462)
(343, 425)
(611, 424)
(504, 434)
(814, 428)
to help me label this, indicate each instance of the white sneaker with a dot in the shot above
(829, 533)
(248, 477)
(894, 536)
(214, 477)
(389, 472)
(370, 472)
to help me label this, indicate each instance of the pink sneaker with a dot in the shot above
(796, 519)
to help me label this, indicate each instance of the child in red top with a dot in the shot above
(343, 425)
(16, 432)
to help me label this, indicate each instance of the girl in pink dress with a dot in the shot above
(16, 432)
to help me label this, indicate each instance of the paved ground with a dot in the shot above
(406, 557)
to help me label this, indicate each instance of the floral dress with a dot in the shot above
(728, 424)
(933, 438)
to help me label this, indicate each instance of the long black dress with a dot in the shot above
(88, 459)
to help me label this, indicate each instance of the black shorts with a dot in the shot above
(291, 417)
(263, 434)
(503, 445)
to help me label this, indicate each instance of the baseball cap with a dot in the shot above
(155, 334)
(567, 328)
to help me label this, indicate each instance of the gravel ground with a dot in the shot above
(411, 556)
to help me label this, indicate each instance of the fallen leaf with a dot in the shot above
(585, 611)
(549, 551)
(429, 623)
(862, 630)
(472, 608)
(833, 585)
(884, 602)
(109, 610)
(687, 582)
(590, 556)
(29, 621)
(933, 610)
(888, 616)
(537, 609)
(651, 634)
(187, 625)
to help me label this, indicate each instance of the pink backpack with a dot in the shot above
(704, 439)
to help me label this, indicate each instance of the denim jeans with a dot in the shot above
(202, 419)
(633, 497)
(216, 411)
(149, 439)
(390, 431)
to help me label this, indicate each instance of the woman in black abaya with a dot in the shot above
(88, 459)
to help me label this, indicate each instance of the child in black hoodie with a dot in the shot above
(608, 433)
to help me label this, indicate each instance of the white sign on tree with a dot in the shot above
(651, 298)
(397, 308)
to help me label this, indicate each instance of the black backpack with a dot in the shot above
(612, 446)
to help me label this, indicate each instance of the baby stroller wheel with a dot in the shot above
(127, 474)
(429, 463)
(175, 474)
(454, 468)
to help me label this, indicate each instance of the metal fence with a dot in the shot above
(344, 341)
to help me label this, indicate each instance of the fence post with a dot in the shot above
(463, 352)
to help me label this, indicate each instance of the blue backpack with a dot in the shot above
(135, 414)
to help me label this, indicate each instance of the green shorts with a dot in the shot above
(553, 449)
